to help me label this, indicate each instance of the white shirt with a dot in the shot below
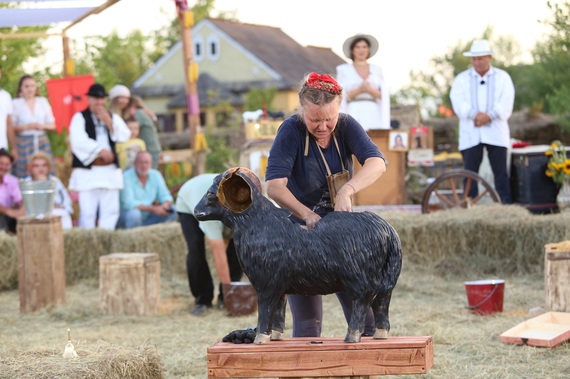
(87, 149)
(22, 114)
(371, 113)
(496, 97)
(6, 111)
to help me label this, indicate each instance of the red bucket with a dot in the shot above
(485, 296)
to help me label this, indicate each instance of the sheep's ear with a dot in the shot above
(234, 192)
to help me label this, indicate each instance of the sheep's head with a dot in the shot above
(235, 190)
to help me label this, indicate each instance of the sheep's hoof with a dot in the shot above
(261, 338)
(381, 334)
(352, 336)
(276, 335)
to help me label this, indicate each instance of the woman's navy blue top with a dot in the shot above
(307, 174)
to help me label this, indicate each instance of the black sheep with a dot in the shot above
(356, 252)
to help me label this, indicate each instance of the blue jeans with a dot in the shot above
(133, 218)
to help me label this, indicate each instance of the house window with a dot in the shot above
(198, 48)
(166, 122)
(213, 47)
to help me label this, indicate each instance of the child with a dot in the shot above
(39, 168)
(127, 151)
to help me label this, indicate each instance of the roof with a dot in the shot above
(289, 60)
(279, 51)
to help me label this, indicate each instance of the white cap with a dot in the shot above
(119, 90)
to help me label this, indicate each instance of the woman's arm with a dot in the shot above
(278, 191)
(370, 171)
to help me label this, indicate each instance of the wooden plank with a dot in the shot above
(321, 357)
(41, 262)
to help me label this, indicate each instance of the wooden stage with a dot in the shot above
(321, 358)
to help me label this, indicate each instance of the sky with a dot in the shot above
(410, 32)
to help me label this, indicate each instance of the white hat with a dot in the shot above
(372, 42)
(479, 48)
(119, 90)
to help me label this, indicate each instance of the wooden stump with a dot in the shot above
(557, 276)
(41, 262)
(129, 283)
(322, 357)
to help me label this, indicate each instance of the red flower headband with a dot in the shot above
(323, 82)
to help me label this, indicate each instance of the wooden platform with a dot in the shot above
(321, 357)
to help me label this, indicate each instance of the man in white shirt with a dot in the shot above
(7, 133)
(483, 98)
(96, 175)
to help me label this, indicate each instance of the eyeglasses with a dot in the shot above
(36, 165)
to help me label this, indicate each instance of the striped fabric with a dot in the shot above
(28, 145)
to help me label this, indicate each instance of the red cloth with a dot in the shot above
(68, 96)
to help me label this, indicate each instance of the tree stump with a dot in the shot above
(41, 262)
(557, 276)
(129, 283)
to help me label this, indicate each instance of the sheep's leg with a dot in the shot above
(380, 307)
(278, 321)
(266, 305)
(357, 317)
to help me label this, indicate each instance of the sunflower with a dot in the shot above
(558, 166)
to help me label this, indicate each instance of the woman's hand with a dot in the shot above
(311, 220)
(343, 199)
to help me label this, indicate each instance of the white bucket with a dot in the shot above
(38, 197)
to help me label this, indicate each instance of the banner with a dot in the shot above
(68, 96)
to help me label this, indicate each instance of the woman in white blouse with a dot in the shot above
(367, 97)
(32, 117)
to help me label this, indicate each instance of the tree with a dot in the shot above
(550, 76)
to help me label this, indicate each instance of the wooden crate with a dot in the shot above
(390, 189)
(129, 283)
(321, 357)
(41, 262)
(557, 276)
(547, 330)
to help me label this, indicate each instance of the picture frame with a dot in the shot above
(398, 141)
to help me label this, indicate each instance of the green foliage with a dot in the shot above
(58, 142)
(257, 97)
(550, 76)
(221, 155)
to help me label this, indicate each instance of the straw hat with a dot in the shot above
(479, 48)
(372, 42)
(119, 90)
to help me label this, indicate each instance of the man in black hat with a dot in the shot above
(96, 175)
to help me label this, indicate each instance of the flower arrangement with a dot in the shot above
(558, 167)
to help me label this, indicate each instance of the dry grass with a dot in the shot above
(441, 252)
(466, 345)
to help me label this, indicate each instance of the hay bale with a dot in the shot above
(8, 261)
(100, 361)
(492, 239)
(82, 248)
(166, 240)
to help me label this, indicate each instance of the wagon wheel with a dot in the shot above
(450, 190)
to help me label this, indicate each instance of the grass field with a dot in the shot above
(424, 303)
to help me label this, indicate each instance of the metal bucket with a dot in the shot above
(38, 197)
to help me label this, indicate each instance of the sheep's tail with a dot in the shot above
(393, 264)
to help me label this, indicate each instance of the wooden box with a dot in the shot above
(546, 330)
(390, 189)
(321, 357)
(41, 262)
(557, 276)
(129, 283)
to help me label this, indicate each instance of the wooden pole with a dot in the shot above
(186, 21)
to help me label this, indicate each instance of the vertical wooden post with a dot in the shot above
(557, 276)
(41, 262)
(186, 21)
(68, 64)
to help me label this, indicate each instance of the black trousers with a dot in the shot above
(472, 159)
(7, 223)
(199, 277)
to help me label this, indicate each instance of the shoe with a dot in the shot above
(200, 309)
